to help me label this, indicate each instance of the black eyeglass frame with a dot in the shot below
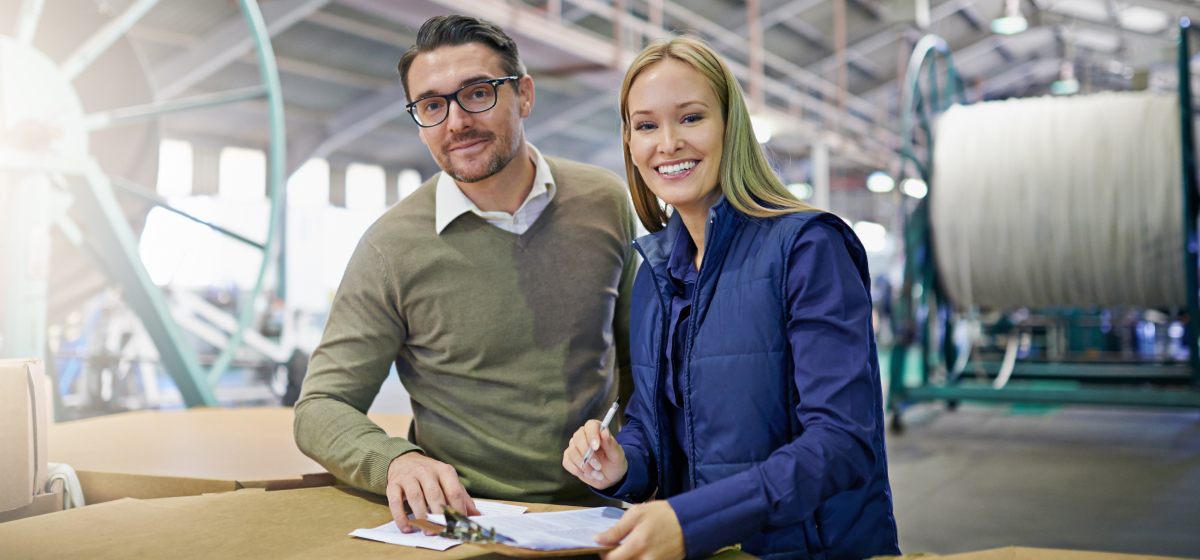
(496, 83)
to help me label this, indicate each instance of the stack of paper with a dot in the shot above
(555, 530)
(388, 532)
(485, 508)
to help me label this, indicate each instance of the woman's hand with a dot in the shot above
(651, 531)
(607, 465)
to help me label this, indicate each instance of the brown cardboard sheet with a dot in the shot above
(41, 505)
(247, 524)
(295, 524)
(152, 454)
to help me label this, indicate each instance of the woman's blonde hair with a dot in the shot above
(745, 176)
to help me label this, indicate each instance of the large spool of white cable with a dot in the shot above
(1060, 201)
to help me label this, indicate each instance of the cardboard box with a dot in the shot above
(295, 524)
(152, 454)
(41, 504)
(24, 418)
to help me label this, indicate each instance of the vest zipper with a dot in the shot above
(658, 371)
(693, 326)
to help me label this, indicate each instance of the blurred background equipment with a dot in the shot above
(26, 485)
(79, 114)
(1053, 226)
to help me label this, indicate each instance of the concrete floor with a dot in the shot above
(1113, 480)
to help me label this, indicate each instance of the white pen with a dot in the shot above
(612, 411)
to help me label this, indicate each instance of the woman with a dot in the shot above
(756, 411)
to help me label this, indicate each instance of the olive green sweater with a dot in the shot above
(506, 343)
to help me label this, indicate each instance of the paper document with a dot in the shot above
(388, 532)
(555, 530)
(485, 508)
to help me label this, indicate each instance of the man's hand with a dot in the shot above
(427, 485)
(651, 532)
(607, 465)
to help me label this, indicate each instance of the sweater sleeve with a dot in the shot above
(829, 330)
(362, 338)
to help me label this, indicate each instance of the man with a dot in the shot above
(499, 289)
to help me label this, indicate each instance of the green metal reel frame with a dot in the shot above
(920, 273)
(111, 242)
(919, 107)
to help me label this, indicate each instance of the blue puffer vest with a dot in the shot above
(735, 421)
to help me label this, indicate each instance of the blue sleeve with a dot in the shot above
(637, 485)
(634, 437)
(829, 329)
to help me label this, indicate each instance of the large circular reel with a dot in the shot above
(55, 154)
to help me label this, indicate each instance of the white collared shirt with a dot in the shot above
(450, 202)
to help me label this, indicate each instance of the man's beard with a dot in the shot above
(502, 153)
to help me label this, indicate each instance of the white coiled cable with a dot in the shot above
(1058, 201)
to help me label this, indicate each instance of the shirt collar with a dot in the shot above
(450, 202)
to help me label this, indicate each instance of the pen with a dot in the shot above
(612, 411)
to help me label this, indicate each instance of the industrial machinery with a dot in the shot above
(1133, 354)
(78, 140)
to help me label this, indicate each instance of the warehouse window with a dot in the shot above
(366, 187)
(174, 168)
(242, 174)
(408, 182)
(309, 185)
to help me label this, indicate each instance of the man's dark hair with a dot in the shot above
(455, 30)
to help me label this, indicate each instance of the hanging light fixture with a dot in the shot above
(1012, 22)
(1066, 84)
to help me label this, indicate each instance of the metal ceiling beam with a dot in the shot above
(974, 17)
(741, 46)
(567, 118)
(27, 20)
(874, 7)
(1031, 69)
(364, 30)
(357, 120)
(886, 38)
(774, 61)
(537, 30)
(325, 73)
(102, 39)
(228, 42)
(965, 55)
(1052, 17)
(858, 52)
(538, 33)
(286, 65)
(884, 139)
(778, 15)
(1172, 7)
(810, 33)
(592, 58)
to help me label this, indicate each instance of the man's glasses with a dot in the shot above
(473, 98)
